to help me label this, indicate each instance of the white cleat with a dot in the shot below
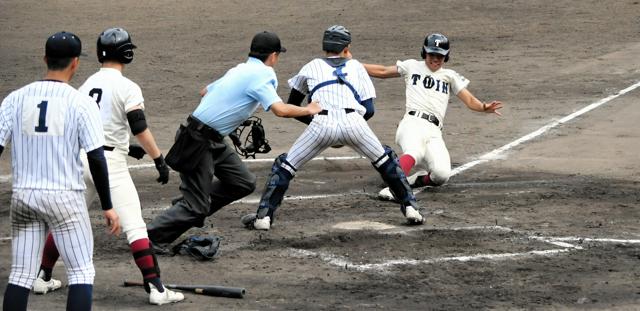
(413, 216)
(386, 195)
(168, 296)
(40, 286)
(262, 223)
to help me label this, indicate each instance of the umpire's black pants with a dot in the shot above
(219, 179)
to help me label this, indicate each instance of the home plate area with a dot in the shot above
(380, 248)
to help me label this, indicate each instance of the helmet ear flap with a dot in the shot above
(446, 58)
(423, 54)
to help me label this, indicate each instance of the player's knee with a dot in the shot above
(440, 176)
(136, 234)
(83, 274)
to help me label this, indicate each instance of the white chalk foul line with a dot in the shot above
(495, 153)
(6, 178)
(286, 198)
(342, 262)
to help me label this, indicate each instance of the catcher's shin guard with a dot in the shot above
(277, 184)
(389, 168)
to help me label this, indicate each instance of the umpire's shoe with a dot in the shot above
(40, 286)
(168, 296)
(251, 221)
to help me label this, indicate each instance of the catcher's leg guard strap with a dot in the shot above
(389, 168)
(277, 184)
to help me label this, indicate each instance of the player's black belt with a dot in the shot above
(346, 110)
(108, 148)
(427, 116)
(206, 131)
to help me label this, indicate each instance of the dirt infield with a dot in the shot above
(550, 223)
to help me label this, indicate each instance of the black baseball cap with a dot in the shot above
(63, 45)
(266, 42)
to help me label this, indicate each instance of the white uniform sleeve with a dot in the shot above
(91, 134)
(133, 97)
(299, 81)
(458, 82)
(403, 67)
(367, 89)
(6, 122)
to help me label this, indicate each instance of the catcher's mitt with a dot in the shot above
(249, 138)
(199, 247)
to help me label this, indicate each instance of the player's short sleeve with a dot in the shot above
(263, 90)
(133, 96)
(299, 81)
(6, 121)
(403, 67)
(458, 82)
(91, 134)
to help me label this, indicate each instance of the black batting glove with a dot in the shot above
(163, 170)
(136, 151)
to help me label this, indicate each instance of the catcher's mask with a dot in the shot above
(249, 138)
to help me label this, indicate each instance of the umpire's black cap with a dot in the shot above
(63, 45)
(266, 42)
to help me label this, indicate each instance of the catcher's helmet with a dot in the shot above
(436, 44)
(115, 44)
(335, 39)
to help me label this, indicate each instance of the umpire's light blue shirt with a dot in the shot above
(233, 98)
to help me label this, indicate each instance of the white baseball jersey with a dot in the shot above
(429, 91)
(335, 125)
(48, 123)
(335, 96)
(116, 95)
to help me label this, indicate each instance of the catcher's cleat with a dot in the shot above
(413, 216)
(168, 296)
(248, 220)
(262, 223)
(40, 286)
(386, 195)
(251, 221)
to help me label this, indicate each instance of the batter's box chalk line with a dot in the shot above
(385, 266)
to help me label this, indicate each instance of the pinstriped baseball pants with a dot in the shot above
(33, 214)
(337, 127)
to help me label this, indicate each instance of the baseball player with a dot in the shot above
(428, 87)
(343, 87)
(47, 123)
(199, 152)
(121, 107)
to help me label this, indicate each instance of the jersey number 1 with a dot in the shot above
(42, 125)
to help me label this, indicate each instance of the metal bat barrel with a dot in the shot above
(209, 290)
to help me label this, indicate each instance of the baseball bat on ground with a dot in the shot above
(209, 290)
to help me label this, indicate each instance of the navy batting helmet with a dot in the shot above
(436, 44)
(335, 39)
(115, 44)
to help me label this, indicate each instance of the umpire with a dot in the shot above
(211, 173)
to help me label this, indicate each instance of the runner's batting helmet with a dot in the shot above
(435, 44)
(335, 39)
(115, 44)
